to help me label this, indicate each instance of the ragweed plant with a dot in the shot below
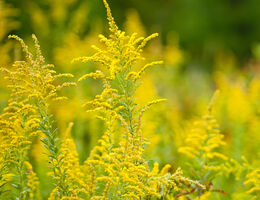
(121, 170)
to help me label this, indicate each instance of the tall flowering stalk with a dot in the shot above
(121, 170)
(33, 86)
(202, 146)
(18, 127)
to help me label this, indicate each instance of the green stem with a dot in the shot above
(128, 103)
(51, 143)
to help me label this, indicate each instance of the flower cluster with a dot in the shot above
(33, 85)
(119, 166)
(121, 170)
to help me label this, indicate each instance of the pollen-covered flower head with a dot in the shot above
(31, 78)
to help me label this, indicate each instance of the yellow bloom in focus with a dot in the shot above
(118, 158)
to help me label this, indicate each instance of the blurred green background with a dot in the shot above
(205, 28)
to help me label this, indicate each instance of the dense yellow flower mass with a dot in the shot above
(32, 85)
(123, 171)
(206, 158)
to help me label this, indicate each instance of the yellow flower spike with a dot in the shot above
(67, 84)
(145, 40)
(154, 102)
(67, 75)
(120, 169)
(7, 177)
(24, 47)
(113, 27)
(75, 178)
(155, 170)
(60, 98)
(144, 109)
(131, 75)
(40, 59)
(68, 130)
(138, 75)
(33, 182)
(165, 170)
(253, 180)
(203, 143)
(96, 75)
(33, 86)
